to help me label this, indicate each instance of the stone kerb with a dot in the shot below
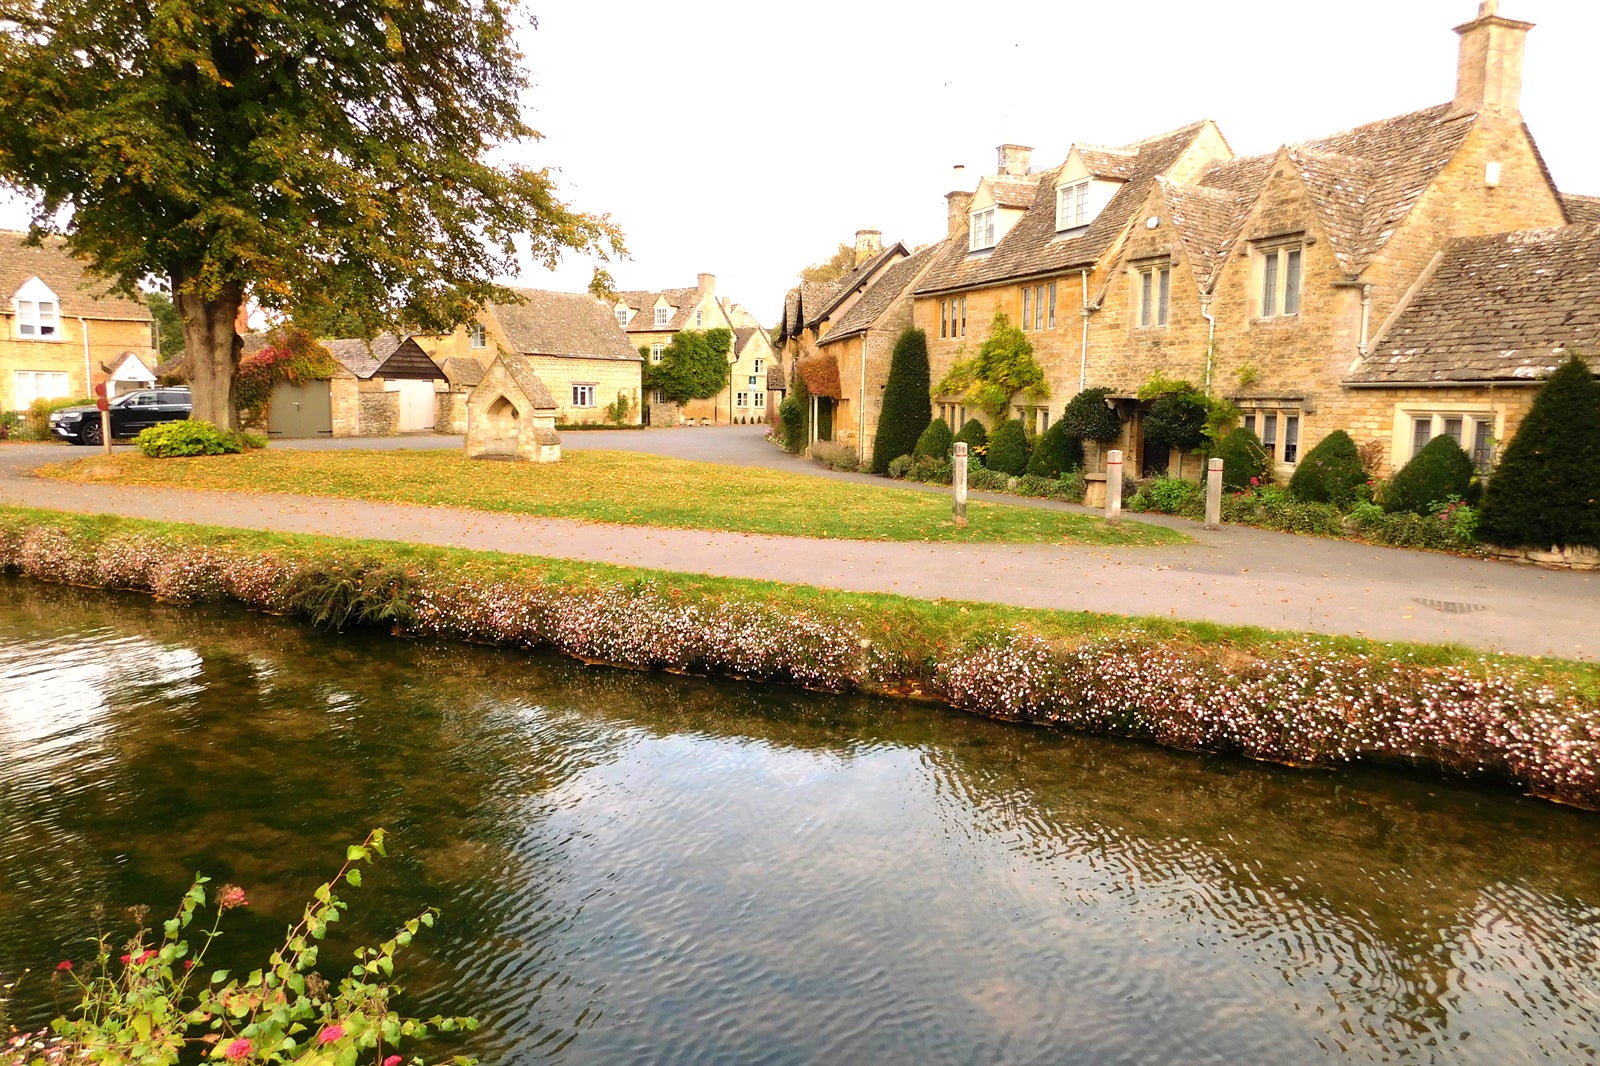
(511, 415)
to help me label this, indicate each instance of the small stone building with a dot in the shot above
(511, 414)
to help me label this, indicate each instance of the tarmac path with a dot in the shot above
(1236, 575)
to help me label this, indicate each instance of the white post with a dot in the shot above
(1214, 494)
(958, 482)
(1113, 485)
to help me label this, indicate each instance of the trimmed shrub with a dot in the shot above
(1330, 473)
(1073, 486)
(792, 425)
(899, 465)
(171, 440)
(988, 480)
(935, 440)
(1055, 452)
(1008, 448)
(836, 456)
(1088, 418)
(906, 407)
(973, 435)
(1035, 485)
(931, 470)
(1453, 529)
(1439, 474)
(1243, 458)
(1546, 490)
(1273, 508)
(1178, 418)
(1170, 495)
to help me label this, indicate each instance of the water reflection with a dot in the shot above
(637, 868)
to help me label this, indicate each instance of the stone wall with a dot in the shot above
(450, 412)
(379, 413)
(107, 341)
(608, 376)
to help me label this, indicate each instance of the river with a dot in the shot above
(636, 867)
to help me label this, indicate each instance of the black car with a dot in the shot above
(130, 413)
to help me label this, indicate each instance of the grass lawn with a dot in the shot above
(621, 487)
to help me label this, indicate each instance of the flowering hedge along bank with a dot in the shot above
(1297, 701)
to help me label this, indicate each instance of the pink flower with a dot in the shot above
(330, 1034)
(231, 896)
(392, 1060)
(64, 964)
(237, 1050)
(148, 955)
(126, 959)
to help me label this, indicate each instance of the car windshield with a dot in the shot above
(132, 398)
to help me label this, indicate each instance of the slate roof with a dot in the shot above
(1015, 192)
(643, 304)
(1033, 247)
(1502, 308)
(51, 263)
(742, 336)
(775, 376)
(880, 295)
(563, 323)
(362, 357)
(460, 370)
(818, 304)
(1581, 209)
(1116, 164)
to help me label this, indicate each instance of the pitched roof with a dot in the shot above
(818, 305)
(460, 370)
(1507, 307)
(1014, 191)
(1033, 247)
(881, 294)
(528, 381)
(1581, 209)
(409, 361)
(642, 303)
(362, 357)
(743, 336)
(563, 323)
(775, 376)
(51, 263)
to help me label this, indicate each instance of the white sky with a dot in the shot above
(747, 139)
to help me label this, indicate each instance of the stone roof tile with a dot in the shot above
(65, 274)
(881, 294)
(563, 323)
(1581, 209)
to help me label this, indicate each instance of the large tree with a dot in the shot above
(314, 155)
(833, 268)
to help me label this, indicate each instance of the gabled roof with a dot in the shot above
(362, 357)
(1014, 192)
(643, 303)
(1115, 164)
(1581, 210)
(65, 275)
(1033, 247)
(460, 370)
(881, 295)
(1507, 307)
(815, 314)
(522, 373)
(1205, 219)
(563, 324)
(408, 361)
(744, 335)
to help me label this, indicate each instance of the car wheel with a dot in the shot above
(90, 433)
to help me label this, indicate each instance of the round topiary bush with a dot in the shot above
(935, 440)
(899, 466)
(170, 440)
(1055, 452)
(1330, 473)
(1441, 470)
(1008, 449)
(1178, 419)
(973, 435)
(1243, 458)
(1087, 417)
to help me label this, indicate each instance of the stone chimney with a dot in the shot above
(708, 284)
(1489, 70)
(869, 242)
(958, 202)
(1014, 159)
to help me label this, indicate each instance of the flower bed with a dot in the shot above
(1298, 700)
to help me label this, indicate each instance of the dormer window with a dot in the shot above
(38, 312)
(982, 230)
(622, 317)
(663, 317)
(1072, 205)
(477, 336)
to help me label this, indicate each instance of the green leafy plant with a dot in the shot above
(617, 410)
(1441, 471)
(1331, 472)
(159, 1003)
(169, 440)
(1087, 417)
(1054, 452)
(1170, 495)
(906, 407)
(1003, 367)
(1008, 448)
(935, 441)
(1178, 418)
(974, 436)
(294, 356)
(899, 466)
(1244, 461)
(693, 367)
(983, 480)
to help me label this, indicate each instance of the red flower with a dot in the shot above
(64, 964)
(231, 896)
(237, 1050)
(330, 1034)
(392, 1060)
(126, 959)
(188, 964)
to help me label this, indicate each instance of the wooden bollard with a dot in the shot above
(1113, 485)
(958, 482)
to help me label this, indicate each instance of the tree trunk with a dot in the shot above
(213, 347)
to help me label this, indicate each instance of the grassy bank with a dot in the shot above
(1289, 698)
(621, 487)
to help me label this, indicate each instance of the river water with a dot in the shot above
(643, 868)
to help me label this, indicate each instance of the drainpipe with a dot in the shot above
(1211, 336)
(1366, 316)
(1083, 345)
(861, 409)
(88, 372)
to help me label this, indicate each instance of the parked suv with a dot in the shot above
(130, 413)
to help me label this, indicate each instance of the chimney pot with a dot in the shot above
(869, 242)
(1014, 159)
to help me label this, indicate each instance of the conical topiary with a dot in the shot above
(973, 435)
(906, 407)
(935, 440)
(1436, 473)
(1545, 492)
(1008, 449)
(1243, 458)
(1330, 473)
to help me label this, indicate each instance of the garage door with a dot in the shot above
(300, 410)
(416, 405)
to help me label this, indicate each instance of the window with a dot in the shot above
(1269, 434)
(658, 397)
(761, 399)
(477, 336)
(622, 317)
(1027, 307)
(944, 318)
(953, 318)
(1266, 424)
(742, 400)
(663, 317)
(34, 385)
(1280, 281)
(1072, 205)
(699, 319)
(954, 415)
(1034, 419)
(655, 351)
(982, 230)
(1291, 438)
(963, 332)
(1050, 316)
(1473, 430)
(583, 395)
(761, 364)
(752, 381)
(38, 320)
(1154, 288)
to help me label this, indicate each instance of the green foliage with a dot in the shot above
(170, 440)
(294, 356)
(1271, 507)
(900, 465)
(1008, 448)
(169, 326)
(1036, 485)
(34, 423)
(1054, 452)
(160, 1003)
(936, 440)
(1222, 415)
(974, 435)
(321, 156)
(836, 456)
(833, 268)
(794, 417)
(693, 367)
(1441, 471)
(984, 480)
(337, 594)
(617, 410)
(1546, 489)
(1178, 418)
(1453, 528)
(1331, 473)
(1087, 417)
(906, 407)
(1170, 495)
(1003, 367)
(1244, 460)
(931, 469)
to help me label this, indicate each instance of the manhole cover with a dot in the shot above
(1451, 607)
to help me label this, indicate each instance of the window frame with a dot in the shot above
(623, 315)
(582, 389)
(1152, 295)
(981, 228)
(33, 323)
(1277, 289)
(741, 399)
(477, 336)
(1476, 424)
(656, 348)
(1073, 214)
(760, 399)
(33, 377)
(663, 317)
(1288, 429)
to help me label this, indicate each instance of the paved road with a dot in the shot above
(1236, 575)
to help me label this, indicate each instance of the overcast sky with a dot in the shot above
(748, 139)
